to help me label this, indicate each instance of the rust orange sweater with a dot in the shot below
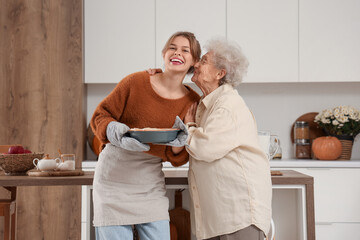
(135, 103)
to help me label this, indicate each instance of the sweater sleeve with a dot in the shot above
(110, 109)
(178, 159)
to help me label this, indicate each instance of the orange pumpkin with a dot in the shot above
(327, 148)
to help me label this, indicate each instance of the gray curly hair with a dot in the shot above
(229, 56)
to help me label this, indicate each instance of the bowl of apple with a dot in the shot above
(17, 160)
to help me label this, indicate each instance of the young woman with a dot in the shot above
(129, 185)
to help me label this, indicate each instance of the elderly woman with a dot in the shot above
(229, 174)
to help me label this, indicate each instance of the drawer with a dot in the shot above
(336, 231)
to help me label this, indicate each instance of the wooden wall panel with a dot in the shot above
(42, 104)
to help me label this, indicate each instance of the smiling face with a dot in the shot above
(206, 75)
(177, 57)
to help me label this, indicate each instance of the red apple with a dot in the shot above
(16, 150)
(27, 151)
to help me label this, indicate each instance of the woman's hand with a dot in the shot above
(176, 150)
(153, 71)
(191, 113)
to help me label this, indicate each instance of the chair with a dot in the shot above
(272, 231)
(8, 210)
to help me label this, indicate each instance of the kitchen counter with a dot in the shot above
(285, 163)
(311, 163)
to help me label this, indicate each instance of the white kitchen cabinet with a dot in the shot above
(284, 40)
(204, 18)
(329, 38)
(337, 197)
(267, 31)
(119, 38)
(337, 231)
(337, 194)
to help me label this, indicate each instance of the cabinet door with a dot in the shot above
(329, 40)
(204, 18)
(267, 31)
(337, 231)
(337, 194)
(119, 38)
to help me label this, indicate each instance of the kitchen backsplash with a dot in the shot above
(275, 105)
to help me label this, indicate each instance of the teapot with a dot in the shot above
(46, 164)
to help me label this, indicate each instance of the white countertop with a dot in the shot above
(286, 163)
(180, 172)
(310, 163)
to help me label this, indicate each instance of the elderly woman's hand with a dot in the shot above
(190, 115)
(153, 71)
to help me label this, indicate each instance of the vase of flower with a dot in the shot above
(342, 122)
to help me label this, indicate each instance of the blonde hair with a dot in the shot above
(195, 48)
(229, 56)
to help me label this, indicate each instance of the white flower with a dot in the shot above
(327, 113)
(343, 119)
(340, 120)
(345, 110)
(325, 120)
(353, 116)
(351, 110)
(357, 115)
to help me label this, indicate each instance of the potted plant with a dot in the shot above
(342, 122)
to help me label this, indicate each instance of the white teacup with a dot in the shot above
(268, 144)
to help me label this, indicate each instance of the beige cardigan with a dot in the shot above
(229, 174)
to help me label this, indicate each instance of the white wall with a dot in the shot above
(275, 105)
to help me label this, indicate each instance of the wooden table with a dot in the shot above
(12, 182)
(172, 177)
(19, 181)
(288, 178)
(291, 177)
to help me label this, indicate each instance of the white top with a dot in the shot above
(229, 174)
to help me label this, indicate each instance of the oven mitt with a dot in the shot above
(182, 136)
(115, 132)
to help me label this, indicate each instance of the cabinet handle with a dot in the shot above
(327, 169)
(323, 223)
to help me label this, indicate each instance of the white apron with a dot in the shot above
(128, 188)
